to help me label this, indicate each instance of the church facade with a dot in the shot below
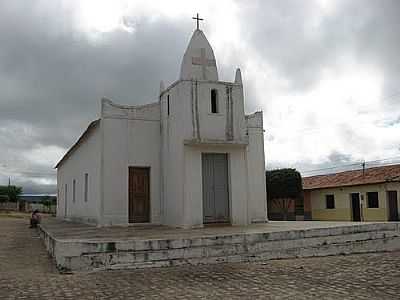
(189, 159)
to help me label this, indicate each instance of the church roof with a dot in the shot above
(199, 61)
(94, 124)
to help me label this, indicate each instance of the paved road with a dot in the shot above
(26, 272)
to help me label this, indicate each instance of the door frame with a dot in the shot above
(148, 168)
(359, 207)
(228, 181)
(388, 205)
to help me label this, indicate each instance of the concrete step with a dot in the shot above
(86, 255)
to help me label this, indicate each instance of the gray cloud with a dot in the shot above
(299, 41)
(53, 76)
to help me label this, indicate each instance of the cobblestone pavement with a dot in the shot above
(26, 272)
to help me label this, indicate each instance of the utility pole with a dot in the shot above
(363, 166)
(362, 200)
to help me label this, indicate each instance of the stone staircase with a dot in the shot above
(88, 255)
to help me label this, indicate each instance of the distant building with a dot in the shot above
(35, 198)
(361, 195)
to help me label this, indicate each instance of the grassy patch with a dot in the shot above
(14, 214)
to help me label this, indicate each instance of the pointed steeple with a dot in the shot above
(238, 76)
(199, 61)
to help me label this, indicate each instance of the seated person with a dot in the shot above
(35, 219)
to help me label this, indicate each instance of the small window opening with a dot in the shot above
(66, 192)
(73, 190)
(214, 101)
(373, 200)
(330, 201)
(86, 186)
(65, 199)
(168, 105)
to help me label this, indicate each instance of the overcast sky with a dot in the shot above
(325, 73)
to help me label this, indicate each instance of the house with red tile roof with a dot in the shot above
(370, 194)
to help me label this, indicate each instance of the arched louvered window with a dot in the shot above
(214, 101)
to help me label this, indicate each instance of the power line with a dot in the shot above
(383, 159)
(391, 96)
(330, 168)
(310, 129)
(38, 174)
(353, 164)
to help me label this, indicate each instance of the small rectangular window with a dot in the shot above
(86, 186)
(214, 101)
(73, 190)
(168, 105)
(66, 193)
(330, 201)
(373, 200)
(65, 199)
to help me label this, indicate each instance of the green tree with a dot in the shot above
(48, 201)
(284, 186)
(14, 192)
(3, 193)
(11, 192)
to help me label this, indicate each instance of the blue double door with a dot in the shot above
(215, 188)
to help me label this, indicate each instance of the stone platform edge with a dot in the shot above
(86, 255)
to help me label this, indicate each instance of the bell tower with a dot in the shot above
(203, 120)
(199, 62)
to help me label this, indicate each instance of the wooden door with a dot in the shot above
(215, 188)
(139, 195)
(355, 206)
(392, 204)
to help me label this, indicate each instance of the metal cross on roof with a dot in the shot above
(197, 20)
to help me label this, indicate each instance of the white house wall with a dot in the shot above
(85, 159)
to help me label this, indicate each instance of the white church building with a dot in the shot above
(191, 158)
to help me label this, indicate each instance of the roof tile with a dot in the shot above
(351, 178)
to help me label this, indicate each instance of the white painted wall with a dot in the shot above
(134, 136)
(85, 159)
(256, 168)
(182, 166)
(193, 206)
(131, 138)
(212, 126)
(174, 128)
(197, 44)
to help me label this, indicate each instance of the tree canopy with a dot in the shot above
(11, 192)
(48, 201)
(284, 183)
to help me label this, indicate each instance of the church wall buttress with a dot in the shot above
(194, 93)
(229, 114)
